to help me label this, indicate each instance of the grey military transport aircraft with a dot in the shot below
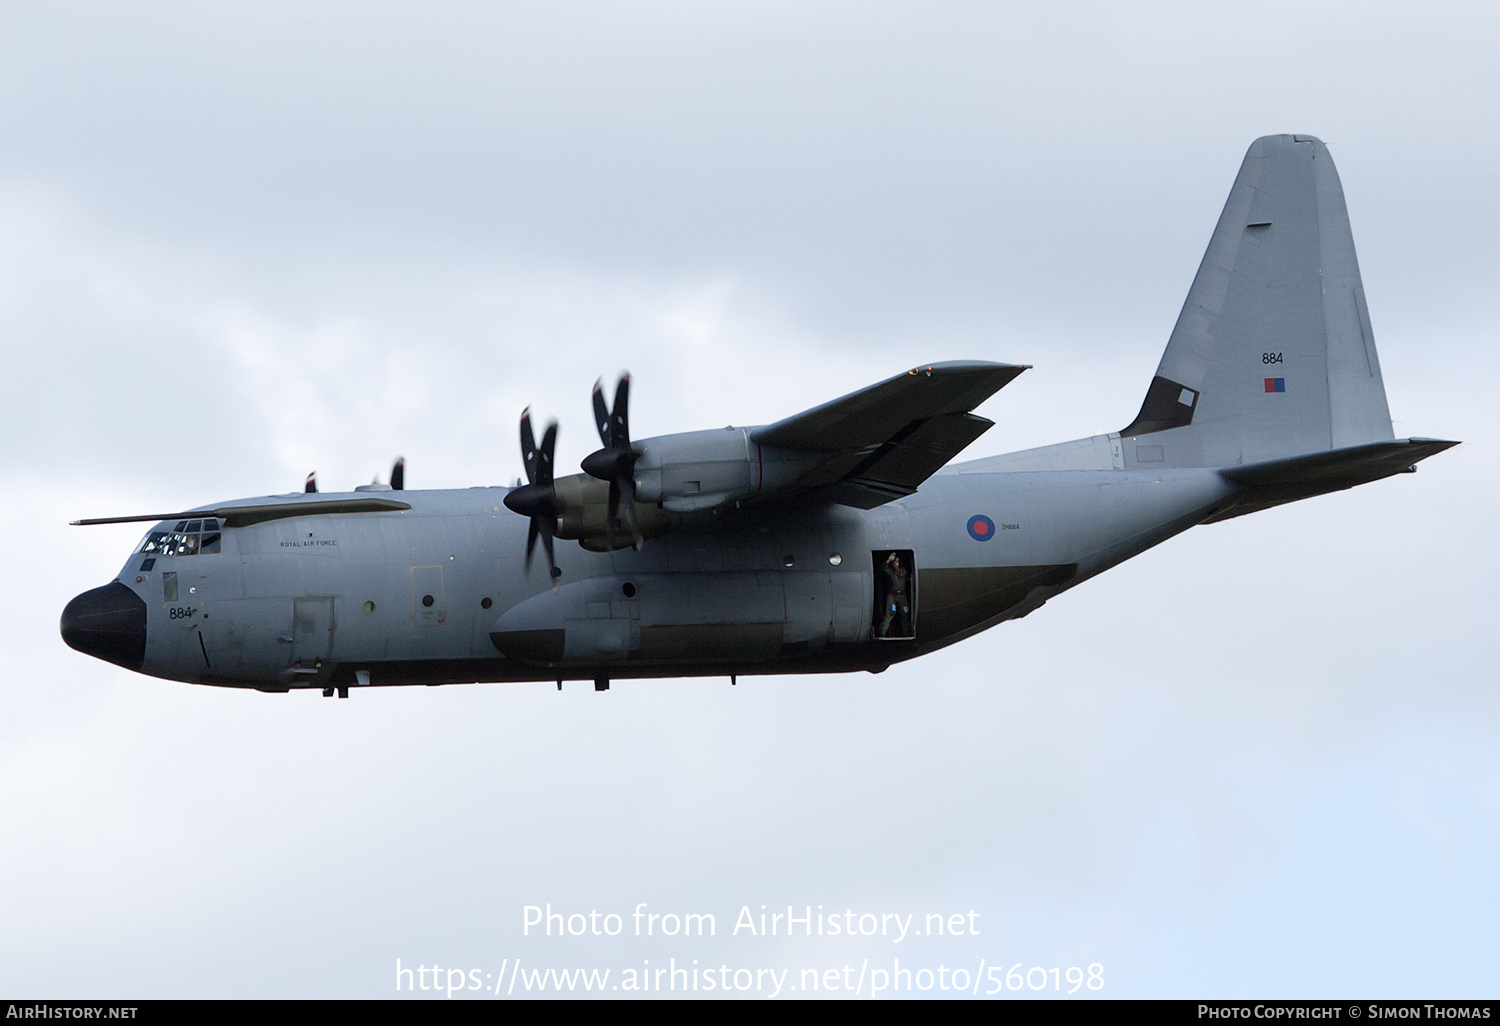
(835, 540)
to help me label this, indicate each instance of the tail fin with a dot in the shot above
(1272, 355)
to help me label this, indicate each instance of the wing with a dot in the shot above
(882, 442)
(245, 514)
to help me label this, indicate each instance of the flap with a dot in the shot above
(902, 464)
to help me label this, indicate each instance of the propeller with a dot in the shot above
(537, 498)
(398, 477)
(615, 462)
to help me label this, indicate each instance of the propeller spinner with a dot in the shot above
(615, 462)
(537, 499)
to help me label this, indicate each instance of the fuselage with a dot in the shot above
(440, 593)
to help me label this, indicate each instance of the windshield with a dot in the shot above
(188, 538)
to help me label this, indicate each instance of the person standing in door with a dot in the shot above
(897, 598)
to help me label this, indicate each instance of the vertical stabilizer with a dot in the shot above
(1272, 355)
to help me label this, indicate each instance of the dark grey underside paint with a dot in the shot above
(664, 645)
(432, 672)
(952, 602)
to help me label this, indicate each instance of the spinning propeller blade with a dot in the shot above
(615, 462)
(537, 498)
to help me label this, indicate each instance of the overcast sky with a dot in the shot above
(242, 244)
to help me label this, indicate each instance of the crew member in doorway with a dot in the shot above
(897, 599)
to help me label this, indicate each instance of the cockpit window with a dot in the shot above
(181, 542)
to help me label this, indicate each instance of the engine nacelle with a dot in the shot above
(674, 475)
(700, 470)
(583, 515)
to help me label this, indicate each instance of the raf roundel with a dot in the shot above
(981, 527)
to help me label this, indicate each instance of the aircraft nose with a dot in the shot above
(108, 623)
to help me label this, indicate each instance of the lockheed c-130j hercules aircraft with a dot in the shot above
(835, 540)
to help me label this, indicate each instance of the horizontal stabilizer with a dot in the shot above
(1299, 477)
(242, 516)
(1357, 464)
